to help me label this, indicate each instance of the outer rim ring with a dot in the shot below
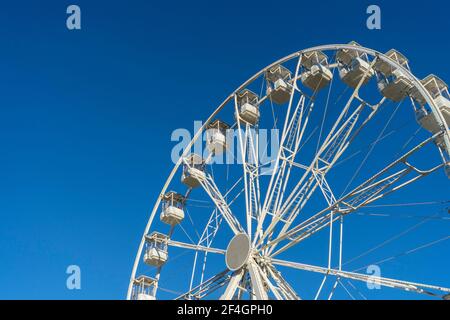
(434, 108)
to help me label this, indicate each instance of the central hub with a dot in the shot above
(238, 251)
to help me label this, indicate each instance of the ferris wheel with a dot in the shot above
(292, 155)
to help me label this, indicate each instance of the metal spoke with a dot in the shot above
(184, 245)
(257, 281)
(273, 183)
(233, 285)
(369, 191)
(388, 282)
(218, 199)
(281, 284)
(248, 142)
(339, 138)
(208, 235)
(207, 287)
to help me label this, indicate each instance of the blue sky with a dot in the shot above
(86, 116)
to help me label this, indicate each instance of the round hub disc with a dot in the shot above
(238, 252)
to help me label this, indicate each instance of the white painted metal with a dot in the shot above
(353, 65)
(258, 288)
(248, 107)
(233, 284)
(317, 74)
(193, 171)
(196, 247)
(142, 288)
(156, 252)
(280, 88)
(393, 283)
(172, 208)
(257, 261)
(172, 215)
(317, 78)
(238, 252)
(216, 136)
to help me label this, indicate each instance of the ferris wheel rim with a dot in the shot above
(330, 47)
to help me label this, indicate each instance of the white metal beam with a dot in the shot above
(233, 285)
(195, 247)
(388, 282)
(258, 290)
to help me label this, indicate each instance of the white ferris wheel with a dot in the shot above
(356, 130)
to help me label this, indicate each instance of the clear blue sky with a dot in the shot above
(86, 116)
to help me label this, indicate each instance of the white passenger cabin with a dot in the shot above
(316, 74)
(172, 208)
(438, 90)
(143, 287)
(392, 82)
(248, 106)
(279, 84)
(156, 249)
(193, 170)
(354, 66)
(216, 136)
